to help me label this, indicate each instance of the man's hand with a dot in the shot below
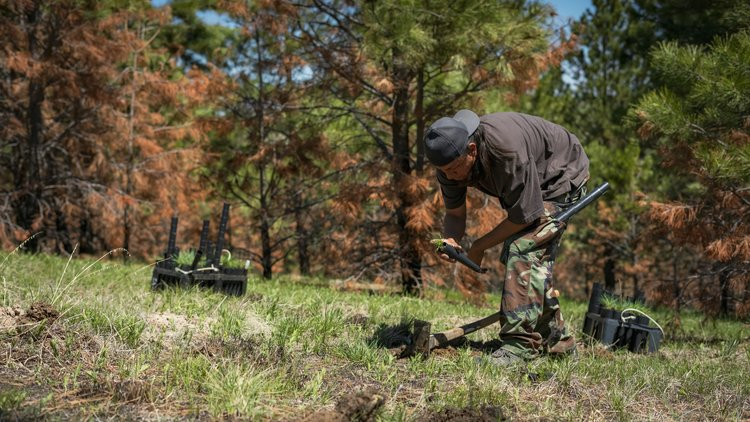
(476, 254)
(453, 243)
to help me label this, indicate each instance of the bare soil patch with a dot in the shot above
(360, 406)
(253, 297)
(9, 317)
(483, 414)
(171, 328)
(40, 311)
(13, 318)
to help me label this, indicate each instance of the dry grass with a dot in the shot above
(80, 340)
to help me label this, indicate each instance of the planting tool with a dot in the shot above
(453, 253)
(171, 248)
(560, 218)
(203, 245)
(213, 275)
(423, 341)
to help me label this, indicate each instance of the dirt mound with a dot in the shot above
(39, 311)
(483, 414)
(448, 352)
(360, 406)
(13, 317)
(9, 317)
(173, 328)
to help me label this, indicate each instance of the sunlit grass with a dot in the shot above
(289, 348)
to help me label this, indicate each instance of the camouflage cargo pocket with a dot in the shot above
(532, 238)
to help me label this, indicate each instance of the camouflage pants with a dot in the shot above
(531, 320)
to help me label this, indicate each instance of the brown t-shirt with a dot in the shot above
(523, 160)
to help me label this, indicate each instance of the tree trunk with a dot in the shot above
(29, 182)
(302, 254)
(676, 292)
(725, 292)
(411, 262)
(267, 252)
(130, 159)
(610, 279)
(126, 232)
(637, 293)
(265, 228)
(419, 114)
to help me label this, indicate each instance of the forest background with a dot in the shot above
(307, 117)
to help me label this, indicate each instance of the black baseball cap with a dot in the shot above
(447, 138)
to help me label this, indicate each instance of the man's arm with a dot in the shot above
(502, 231)
(454, 224)
(454, 227)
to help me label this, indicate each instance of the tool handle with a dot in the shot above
(222, 231)
(172, 239)
(196, 259)
(453, 253)
(565, 215)
(203, 246)
(442, 339)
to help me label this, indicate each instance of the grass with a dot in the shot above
(185, 258)
(292, 347)
(619, 304)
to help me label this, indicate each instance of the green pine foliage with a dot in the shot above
(590, 95)
(700, 121)
(612, 70)
(195, 41)
(705, 106)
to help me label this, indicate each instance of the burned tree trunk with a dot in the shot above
(303, 256)
(29, 180)
(410, 259)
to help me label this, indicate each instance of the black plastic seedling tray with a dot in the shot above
(232, 281)
(608, 327)
(165, 274)
(213, 275)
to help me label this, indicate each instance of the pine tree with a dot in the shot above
(699, 120)
(275, 160)
(395, 66)
(56, 68)
(192, 40)
(695, 22)
(90, 110)
(611, 73)
(161, 128)
(591, 95)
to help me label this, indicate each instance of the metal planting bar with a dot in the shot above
(461, 257)
(204, 238)
(196, 260)
(172, 238)
(209, 253)
(564, 216)
(222, 231)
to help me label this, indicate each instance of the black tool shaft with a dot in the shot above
(565, 215)
(172, 238)
(453, 253)
(222, 231)
(203, 245)
(196, 260)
